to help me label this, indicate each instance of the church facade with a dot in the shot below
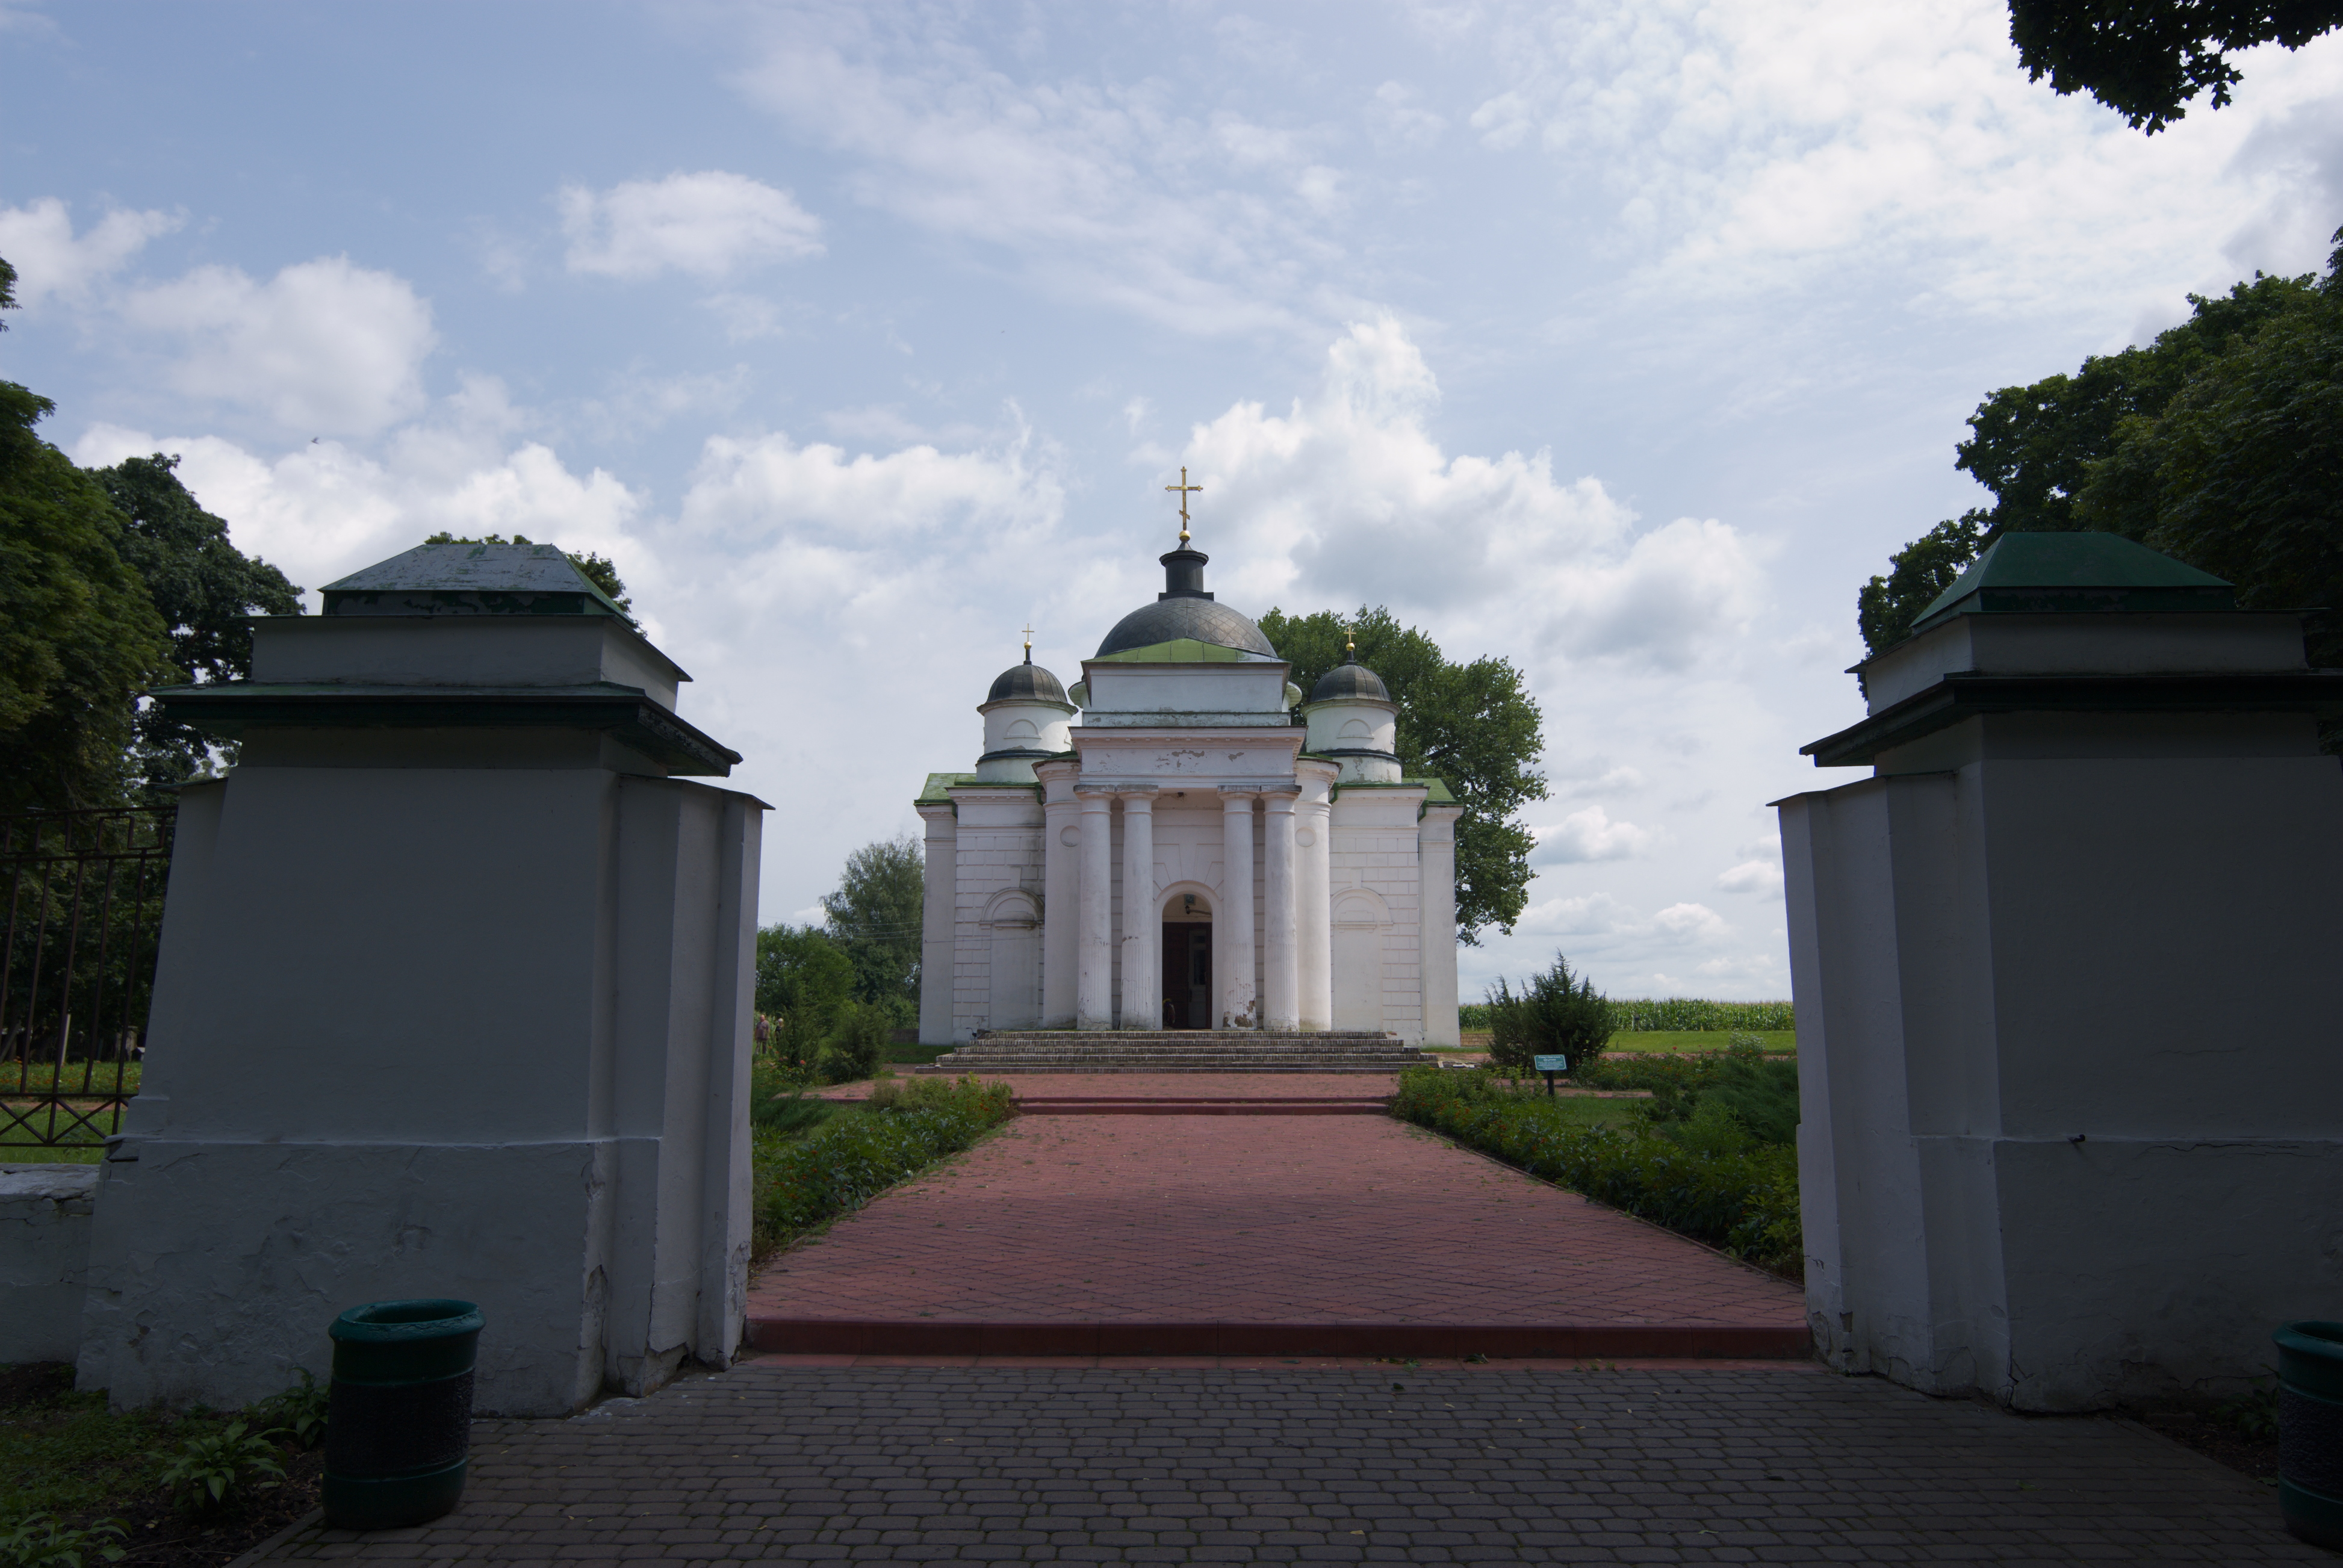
(1184, 841)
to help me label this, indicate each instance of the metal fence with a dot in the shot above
(84, 906)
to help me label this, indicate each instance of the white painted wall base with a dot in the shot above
(44, 1218)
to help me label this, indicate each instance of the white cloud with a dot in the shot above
(39, 242)
(323, 510)
(1751, 877)
(1588, 835)
(1347, 498)
(1590, 914)
(1584, 778)
(709, 224)
(1107, 190)
(323, 347)
(1692, 923)
(1399, 116)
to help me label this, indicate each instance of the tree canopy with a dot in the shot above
(874, 918)
(2220, 444)
(2146, 59)
(79, 638)
(202, 586)
(1469, 725)
(596, 569)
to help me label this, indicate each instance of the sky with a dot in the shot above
(1620, 339)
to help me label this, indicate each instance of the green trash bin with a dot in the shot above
(2310, 1431)
(398, 1412)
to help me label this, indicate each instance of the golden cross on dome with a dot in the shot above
(1184, 487)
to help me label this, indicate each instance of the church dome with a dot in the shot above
(1028, 680)
(1349, 678)
(1184, 609)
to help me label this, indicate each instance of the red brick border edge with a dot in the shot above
(838, 1336)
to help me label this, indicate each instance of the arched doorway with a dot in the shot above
(1187, 968)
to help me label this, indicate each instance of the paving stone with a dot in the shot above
(1523, 1464)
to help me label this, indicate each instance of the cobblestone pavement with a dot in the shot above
(1495, 1464)
(1307, 1220)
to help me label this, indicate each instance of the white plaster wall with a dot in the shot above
(472, 1032)
(1061, 890)
(1183, 688)
(997, 847)
(45, 1217)
(939, 938)
(1377, 937)
(461, 650)
(2073, 1129)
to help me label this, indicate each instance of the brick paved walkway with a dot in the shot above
(1497, 1464)
(1267, 1235)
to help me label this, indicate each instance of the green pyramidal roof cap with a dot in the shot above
(2071, 574)
(474, 578)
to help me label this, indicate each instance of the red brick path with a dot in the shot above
(1255, 1235)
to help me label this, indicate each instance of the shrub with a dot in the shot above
(1716, 1182)
(299, 1412)
(1552, 1015)
(38, 1540)
(214, 1474)
(852, 1158)
(857, 1042)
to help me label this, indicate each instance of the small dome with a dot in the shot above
(1028, 680)
(1349, 678)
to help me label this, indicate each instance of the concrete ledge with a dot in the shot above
(45, 1229)
(1563, 1341)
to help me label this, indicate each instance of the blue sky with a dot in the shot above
(1621, 340)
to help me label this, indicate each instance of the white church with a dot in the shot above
(1184, 842)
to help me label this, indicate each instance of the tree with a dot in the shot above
(2038, 447)
(79, 638)
(803, 979)
(2146, 59)
(596, 569)
(1554, 1014)
(875, 918)
(202, 586)
(1472, 726)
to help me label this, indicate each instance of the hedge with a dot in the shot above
(1744, 1202)
(850, 1158)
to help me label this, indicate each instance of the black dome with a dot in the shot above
(1206, 620)
(1028, 680)
(1350, 679)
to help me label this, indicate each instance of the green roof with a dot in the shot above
(476, 578)
(2070, 573)
(1183, 651)
(935, 791)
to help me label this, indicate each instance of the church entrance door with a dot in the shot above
(1187, 974)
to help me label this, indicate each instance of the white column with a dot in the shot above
(1232, 946)
(939, 952)
(1094, 939)
(1315, 894)
(1062, 896)
(1280, 976)
(1435, 843)
(1143, 934)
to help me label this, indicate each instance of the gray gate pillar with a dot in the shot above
(453, 998)
(2066, 970)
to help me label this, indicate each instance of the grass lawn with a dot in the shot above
(915, 1055)
(71, 1154)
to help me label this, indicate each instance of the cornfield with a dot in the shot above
(1684, 1013)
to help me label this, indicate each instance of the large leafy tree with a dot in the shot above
(2221, 444)
(874, 919)
(1469, 725)
(203, 586)
(2146, 59)
(78, 638)
(2038, 447)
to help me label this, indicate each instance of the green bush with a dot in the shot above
(299, 1412)
(221, 1471)
(39, 1541)
(1552, 1015)
(1714, 1180)
(856, 1155)
(857, 1042)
